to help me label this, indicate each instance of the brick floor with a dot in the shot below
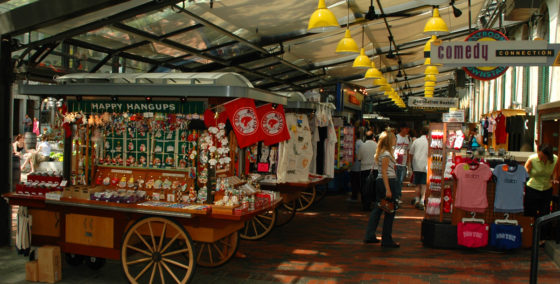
(324, 245)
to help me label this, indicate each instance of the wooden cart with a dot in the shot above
(153, 243)
(297, 196)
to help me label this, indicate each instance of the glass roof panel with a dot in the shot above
(133, 66)
(108, 37)
(156, 51)
(201, 38)
(160, 22)
(13, 4)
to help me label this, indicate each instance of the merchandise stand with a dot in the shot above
(301, 195)
(439, 228)
(164, 239)
(439, 183)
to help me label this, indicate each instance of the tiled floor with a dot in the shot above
(324, 245)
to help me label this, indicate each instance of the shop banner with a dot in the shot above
(135, 107)
(454, 116)
(273, 124)
(433, 102)
(496, 53)
(242, 115)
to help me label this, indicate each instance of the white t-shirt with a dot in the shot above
(401, 150)
(356, 165)
(44, 148)
(419, 152)
(330, 144)
(366, 155)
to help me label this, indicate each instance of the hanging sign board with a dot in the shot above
(454, 116)
(352, 99)
(135, 106)
(487, 53)
(433, 102)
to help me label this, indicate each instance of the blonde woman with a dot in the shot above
(385, 189)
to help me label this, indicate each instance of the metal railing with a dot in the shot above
(539, 222)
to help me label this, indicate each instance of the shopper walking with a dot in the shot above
(355, 170)
(385, 189)
(366, 157)
(27, 124)
(36, 126)
(419, 157)
(401, 157)
(542, 168)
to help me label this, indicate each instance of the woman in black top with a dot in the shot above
(18, 146)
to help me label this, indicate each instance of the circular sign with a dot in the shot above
(245, 121)
(272, 123)
(486, 73)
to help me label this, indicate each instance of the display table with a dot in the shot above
(142, 237)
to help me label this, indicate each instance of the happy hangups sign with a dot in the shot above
(135, 106)
(486, 49)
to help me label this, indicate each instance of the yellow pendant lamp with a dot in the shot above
(322, 20)
(362, 61)
(385, 88)
(431, 78)
(380, 82)
(431, 70)
(430, 84)
(428, 46)
(373, 73)
(436, 25)
(430, 89)
(347, 43)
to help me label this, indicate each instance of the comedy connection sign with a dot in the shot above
(433, 102)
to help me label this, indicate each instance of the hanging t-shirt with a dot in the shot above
(505, 236)
(491, 124)
(510, 184)
(471, 186)
(401, 150)
(330, 144)
(515, 127)
(472, 235)
(485, 126)
(294, 155)
(500, 132)
(314, 141)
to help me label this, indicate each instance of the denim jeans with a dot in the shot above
(401, 174)
(386, 236)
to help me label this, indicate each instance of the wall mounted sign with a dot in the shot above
(352, 99)
(433, 102)
(135, 106)
(454, 116)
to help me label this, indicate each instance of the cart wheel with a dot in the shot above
(148, 253)
(305, 199)
(321, 193)
(259, 226)
(217, 253)
(285, 214)
(94, 262)
(74, 259)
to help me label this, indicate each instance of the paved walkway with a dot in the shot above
(324, 245)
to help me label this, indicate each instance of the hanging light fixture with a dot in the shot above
(431, 70)
(380, 82)
(430, 84)
(373, 73)
(430, 89)
(347, 43)
(362, 61)
(322, 20)
(432, 78)
(436, 25)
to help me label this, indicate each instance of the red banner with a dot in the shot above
(273, 124)
(242, 115)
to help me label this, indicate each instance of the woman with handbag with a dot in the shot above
(385, 188)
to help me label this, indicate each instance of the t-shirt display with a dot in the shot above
(500, 131)
(471, 186)
(510, 184)
(401, 149)
(472, 235)
(294, 155)
(515, 127)
(505, 236)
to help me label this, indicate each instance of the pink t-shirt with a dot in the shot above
(471, 187)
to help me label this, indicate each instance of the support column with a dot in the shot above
(6, 80)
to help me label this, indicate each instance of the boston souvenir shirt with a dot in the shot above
(510, 184)
(471, 187)
(505, 236)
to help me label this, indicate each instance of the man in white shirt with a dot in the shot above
(401, 157)
(355, 171)
(419, 157)
(366, 156)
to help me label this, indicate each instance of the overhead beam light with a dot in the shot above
(322, 20)
(436, 25)
(456, 12)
